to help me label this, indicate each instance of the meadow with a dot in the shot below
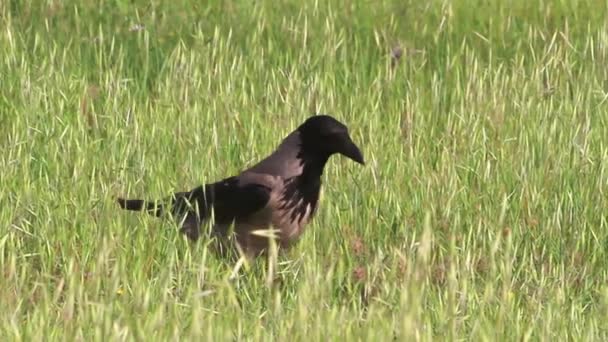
(480, 215)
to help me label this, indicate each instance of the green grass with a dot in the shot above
(481, 213)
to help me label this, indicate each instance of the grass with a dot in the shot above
(481, 213)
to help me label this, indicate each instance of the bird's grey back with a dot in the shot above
(284, 161)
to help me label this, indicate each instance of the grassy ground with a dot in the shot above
(481, 213)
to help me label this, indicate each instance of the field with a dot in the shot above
(481, 213)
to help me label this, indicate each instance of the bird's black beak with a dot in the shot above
(352, 151)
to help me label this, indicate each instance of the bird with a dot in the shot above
(279, 194)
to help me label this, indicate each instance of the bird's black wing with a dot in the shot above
(230, 199)
(238, 198)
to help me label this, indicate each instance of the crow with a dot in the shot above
(279, 194)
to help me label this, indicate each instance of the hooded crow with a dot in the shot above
(279, 193)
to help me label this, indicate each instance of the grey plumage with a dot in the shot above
(280, 192)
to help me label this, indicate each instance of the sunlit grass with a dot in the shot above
(481, 212)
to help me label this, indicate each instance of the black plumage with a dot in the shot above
(280, 192)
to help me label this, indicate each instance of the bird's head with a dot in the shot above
(323, 136)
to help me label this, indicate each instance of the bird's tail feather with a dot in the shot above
(151, 208)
